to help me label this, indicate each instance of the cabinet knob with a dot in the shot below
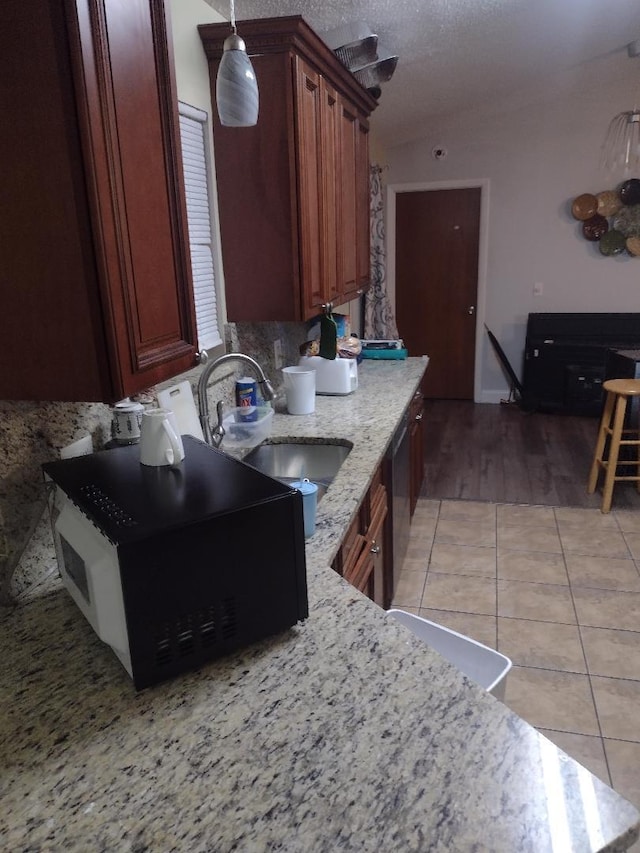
(375, 548)
(419, 417)
(202, 356)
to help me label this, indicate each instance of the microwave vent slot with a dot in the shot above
(208, 628)
(188, 634)
(228, 618)
(163, 648)
(185, 637)
(104, 505)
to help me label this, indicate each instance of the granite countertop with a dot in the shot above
(343, 733)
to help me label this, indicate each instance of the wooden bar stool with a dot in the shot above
(619, 391)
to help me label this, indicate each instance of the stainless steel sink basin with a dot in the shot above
(291, 461)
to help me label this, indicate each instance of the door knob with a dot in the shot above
(472, 309)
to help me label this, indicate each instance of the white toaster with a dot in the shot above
(339, 376)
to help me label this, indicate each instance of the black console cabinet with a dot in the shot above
(565, 358)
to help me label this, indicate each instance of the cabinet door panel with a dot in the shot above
(131, 111)
(257, 200)
(145, 190)
(349, 543)
(348, 190)
(378, 543)
(353, 562)
(309, 134)
(378, 513)
(328, 154)
(364, 554)
(360, 571)
(362, 207)
(99, 267)
(416, 447)
(47, 268)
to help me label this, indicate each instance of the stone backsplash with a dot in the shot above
(32, 433)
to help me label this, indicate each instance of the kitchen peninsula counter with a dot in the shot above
(345, 733)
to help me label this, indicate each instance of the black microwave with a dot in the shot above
(176, 566)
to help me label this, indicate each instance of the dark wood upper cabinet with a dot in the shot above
(293, 191)
(97, 300)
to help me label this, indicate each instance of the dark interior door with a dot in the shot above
(437, 239)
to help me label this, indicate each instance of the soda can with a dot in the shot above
(247, 398)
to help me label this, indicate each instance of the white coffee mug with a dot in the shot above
(300, 390)
(160, 441)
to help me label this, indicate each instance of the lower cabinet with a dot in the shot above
(416, 448)
(364, 558)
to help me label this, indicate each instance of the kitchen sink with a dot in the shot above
(290, 461)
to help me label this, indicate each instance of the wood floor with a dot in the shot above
(499, 453)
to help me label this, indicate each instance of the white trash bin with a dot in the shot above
(485, 666)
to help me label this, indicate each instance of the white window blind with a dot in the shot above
(193, 126)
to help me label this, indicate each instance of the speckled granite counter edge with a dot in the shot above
(345, 733)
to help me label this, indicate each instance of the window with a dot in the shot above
(193, 130)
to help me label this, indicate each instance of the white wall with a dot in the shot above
(537, 152)
(192, 82)
(192, 70)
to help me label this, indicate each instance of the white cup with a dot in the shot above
(160, 441)
(300, 390)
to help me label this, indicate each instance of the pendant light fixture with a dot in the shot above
(236, 86)
(621, 149)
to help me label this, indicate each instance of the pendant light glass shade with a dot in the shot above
(236, 87)
(621, 149)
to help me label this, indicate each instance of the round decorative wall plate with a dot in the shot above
(611, 218)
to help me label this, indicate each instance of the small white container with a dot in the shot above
(242, 433)
(126, 423)
(300, 390)
(485, 666)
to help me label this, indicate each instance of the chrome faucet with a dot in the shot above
(216, 435)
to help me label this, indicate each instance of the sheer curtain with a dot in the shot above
(379, 318)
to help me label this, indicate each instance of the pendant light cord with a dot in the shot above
(233, 16)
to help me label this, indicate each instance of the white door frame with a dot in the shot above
(483, 184)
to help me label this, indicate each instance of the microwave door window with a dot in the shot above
(76, 568)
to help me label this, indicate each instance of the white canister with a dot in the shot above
(300, 390)
(126, 422)
(160, 441)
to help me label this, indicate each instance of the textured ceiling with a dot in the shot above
(456, 54)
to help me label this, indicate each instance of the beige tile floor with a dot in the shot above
(558, 591)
